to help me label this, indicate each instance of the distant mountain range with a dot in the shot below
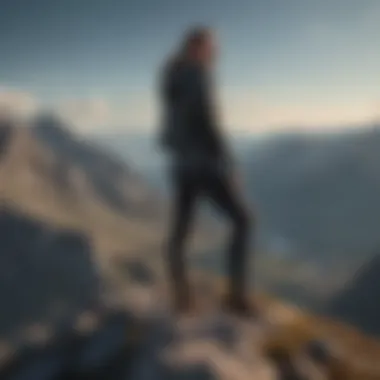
(320, 193)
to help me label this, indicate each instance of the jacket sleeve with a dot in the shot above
(205, 121)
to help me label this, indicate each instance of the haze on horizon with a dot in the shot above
(294, 64)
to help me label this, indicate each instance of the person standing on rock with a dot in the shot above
(201, 165)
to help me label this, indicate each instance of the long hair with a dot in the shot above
(192, 38)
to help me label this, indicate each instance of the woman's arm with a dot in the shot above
(205, 122)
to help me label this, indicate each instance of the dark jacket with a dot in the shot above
(189, 122)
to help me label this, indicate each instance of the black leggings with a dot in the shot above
(191, 182)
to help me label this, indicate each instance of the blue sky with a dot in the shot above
(284, 64)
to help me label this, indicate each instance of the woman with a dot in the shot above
(201, 165)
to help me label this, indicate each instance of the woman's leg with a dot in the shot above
(223, 193)
(185, 194)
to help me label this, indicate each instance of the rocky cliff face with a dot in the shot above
(47, 274)
(66, 210)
